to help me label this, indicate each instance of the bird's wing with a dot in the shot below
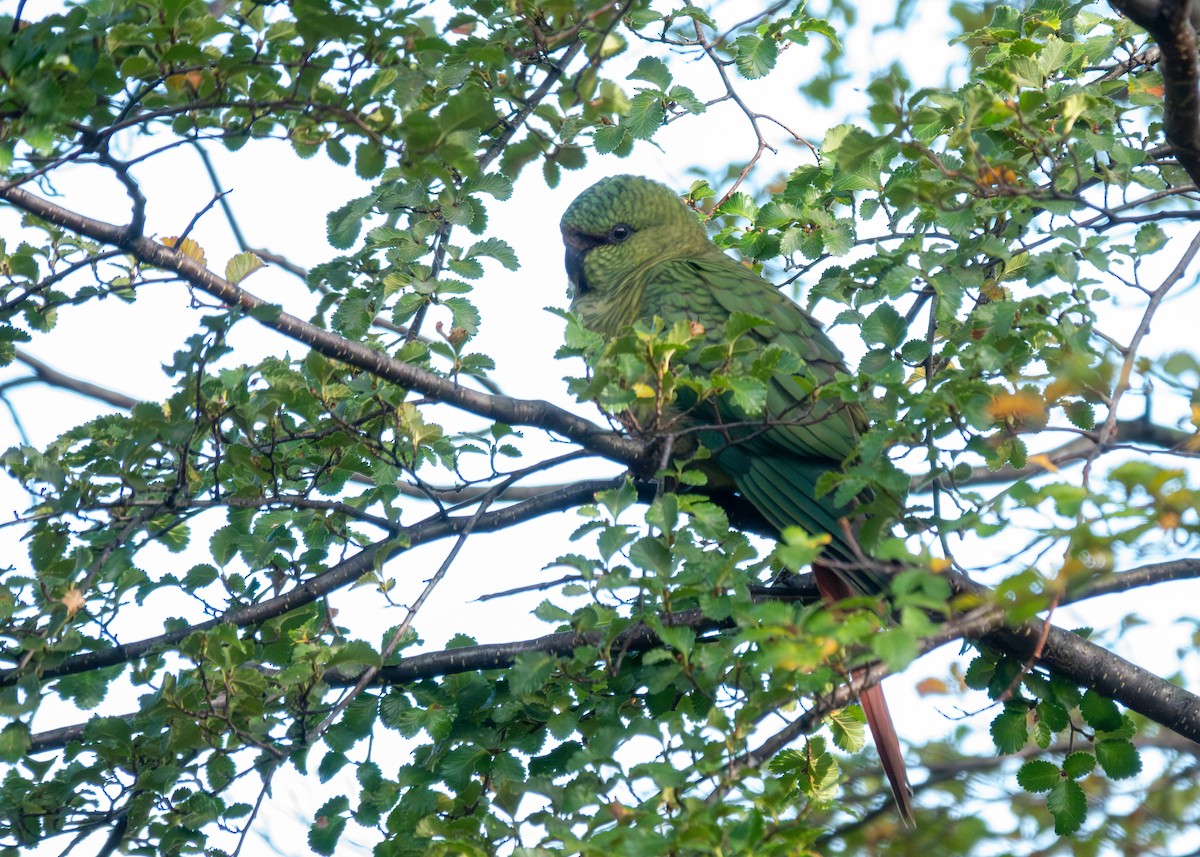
(777, 462)
(776, 465)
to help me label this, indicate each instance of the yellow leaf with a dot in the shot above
(931, 686)
(73, 600)
(1020, 406)
(643, 391)
(187, 247)
(1043, 461)
(241, 266)
(186, 80)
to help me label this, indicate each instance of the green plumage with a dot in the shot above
(666, 266)
(635, 252)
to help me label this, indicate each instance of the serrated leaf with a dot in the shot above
(548, 611)
(885, 326)
(1100, 712)
(646, 115)
(678, 637)
(328, 825)
(494, 248)
(14, 741)
(241, 266)
(1038, 776)
(1078, 764)
(1119, 758)
(739, 323)
(609, 138)
(466, 316)
(1010, 730)
(652, 70)
(187, 247)
(530, 672)
(497, 185)
(369, 159)
(1068, 805)
(755, 56)
(650, 554)
(1150, 238)
(849, 729)
(220, 770)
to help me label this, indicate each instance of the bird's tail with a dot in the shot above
(835, 588)
(879, 719)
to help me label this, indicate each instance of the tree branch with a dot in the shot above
(342, 574)
(1172, 24)
(1072, 657)
(524, 412)
(48, 375)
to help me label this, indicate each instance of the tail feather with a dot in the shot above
(835, 588)
(879, 720)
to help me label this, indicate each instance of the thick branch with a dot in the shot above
(340, 575)
(524, 412)
(640, 637)
(1172, 24)
(1091, 666)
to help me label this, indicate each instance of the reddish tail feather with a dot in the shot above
(835, 588)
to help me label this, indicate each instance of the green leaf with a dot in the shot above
(369, 159)
(494, 248)
(530, 672)
(652, 70)
(645, 115)
(1079, 764)
(1068, 805)
(328, 825)
(241, 266)
(679, 637)
(14, 741)
(224, 545)
(1150, 239)
(1038, 776)
(849, 729)
(1119, 758)
(345, 223)
(755, 56)
(739, 323)
(885, 326)
(497, 185)
(1010, 729)
(608, 138)
(220, 770)
(1100, 712)
(650, 554)
(548, 611)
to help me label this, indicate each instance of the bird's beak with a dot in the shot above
(575, 276)
(577, 244)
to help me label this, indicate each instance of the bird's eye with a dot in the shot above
(620, 233)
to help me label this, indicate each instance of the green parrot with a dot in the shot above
(634, 252)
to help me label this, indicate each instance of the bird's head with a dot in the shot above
(618, 229)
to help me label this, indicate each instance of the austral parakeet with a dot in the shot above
(636, 252)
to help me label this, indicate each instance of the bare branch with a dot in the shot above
(48, 375)
(1131, 352)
